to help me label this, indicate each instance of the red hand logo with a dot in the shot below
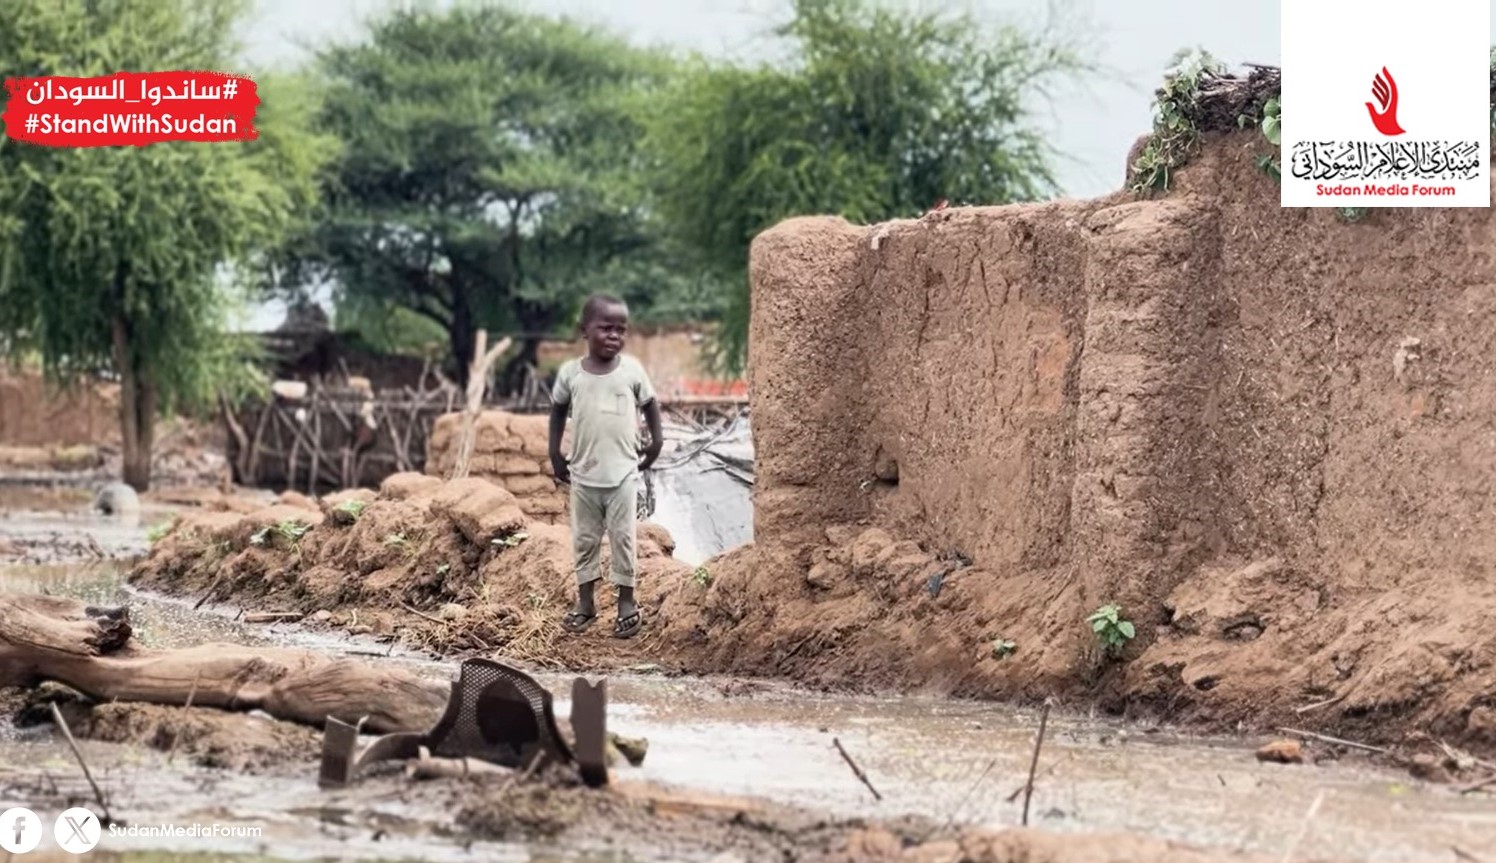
(1385, 91)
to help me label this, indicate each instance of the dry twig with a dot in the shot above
(419, 613)
(73, 745)
(1048, 772)
(1303, 828)
(1488, 782)
(1336, 740)
(186, 706)
(857, 771)
(1028, 790)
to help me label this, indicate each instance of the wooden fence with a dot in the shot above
(333, 438)
(344, 437)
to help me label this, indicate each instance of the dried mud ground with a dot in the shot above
(736, 771)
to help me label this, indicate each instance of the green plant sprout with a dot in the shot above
(158, 532)
(1111, 628)
(1174, 135)
(352, 508)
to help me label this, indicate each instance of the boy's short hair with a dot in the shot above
(596, 302)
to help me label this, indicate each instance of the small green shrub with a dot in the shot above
(352, 508)
(1174, 135)
(158, 532)
(1111, 628)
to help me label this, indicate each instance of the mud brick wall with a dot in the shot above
(1123, 393)
(33, 413)
(509, 450)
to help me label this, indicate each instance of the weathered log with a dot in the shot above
(90, 649)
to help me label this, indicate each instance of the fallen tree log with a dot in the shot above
(92, 650)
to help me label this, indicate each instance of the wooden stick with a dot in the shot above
(316, 446)
(252, 463)
(477, 379)
(972, 790)
(1317, 705)
(177, 738)
(857, 771)
(1458, 756)
(1048, 772)
(1303, 828)
(424, 766)
(241, 438)
(73, 744)
(1028, 790)
(1336, 740)
(1488, 782)
(212, 588)
(429, 617)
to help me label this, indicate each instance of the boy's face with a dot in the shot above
(606, 330)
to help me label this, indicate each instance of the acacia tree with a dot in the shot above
(112, 259)
(490, 177)
(878, 112)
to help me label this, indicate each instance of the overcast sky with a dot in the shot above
(1093, 124)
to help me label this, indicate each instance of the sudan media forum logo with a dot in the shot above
(1394, 163)
(1385, 91)
(1379, 116)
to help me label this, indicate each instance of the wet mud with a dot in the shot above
(736, 768)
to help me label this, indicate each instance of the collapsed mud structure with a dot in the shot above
(450, 565)
(1263, 433)
(511, 451)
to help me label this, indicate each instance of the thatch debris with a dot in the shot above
(1224, 97)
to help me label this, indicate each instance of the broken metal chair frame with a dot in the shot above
(494, 713)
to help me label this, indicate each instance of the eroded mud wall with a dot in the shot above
(1268, 433)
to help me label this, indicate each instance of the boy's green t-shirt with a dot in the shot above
(604, 420)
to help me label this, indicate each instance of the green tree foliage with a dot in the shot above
(491, 175)
(879, 113)
(112, 260)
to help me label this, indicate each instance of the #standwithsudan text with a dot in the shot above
(1392, 160)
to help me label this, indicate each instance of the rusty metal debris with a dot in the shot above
(497, 714)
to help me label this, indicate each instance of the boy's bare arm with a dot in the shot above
(656, 434)
(558, 427)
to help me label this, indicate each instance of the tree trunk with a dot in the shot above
(534, 318)
(91, 649)
(461, 333)
(137, 409)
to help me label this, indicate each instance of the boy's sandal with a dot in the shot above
(628, 626)
(575, 621)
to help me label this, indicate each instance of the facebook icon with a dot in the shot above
(20, 830)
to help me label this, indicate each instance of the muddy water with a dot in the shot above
(947, 760)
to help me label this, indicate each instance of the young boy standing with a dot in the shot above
(603, 393)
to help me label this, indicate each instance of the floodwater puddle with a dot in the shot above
(952, 761)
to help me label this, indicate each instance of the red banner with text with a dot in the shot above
(131, 109)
